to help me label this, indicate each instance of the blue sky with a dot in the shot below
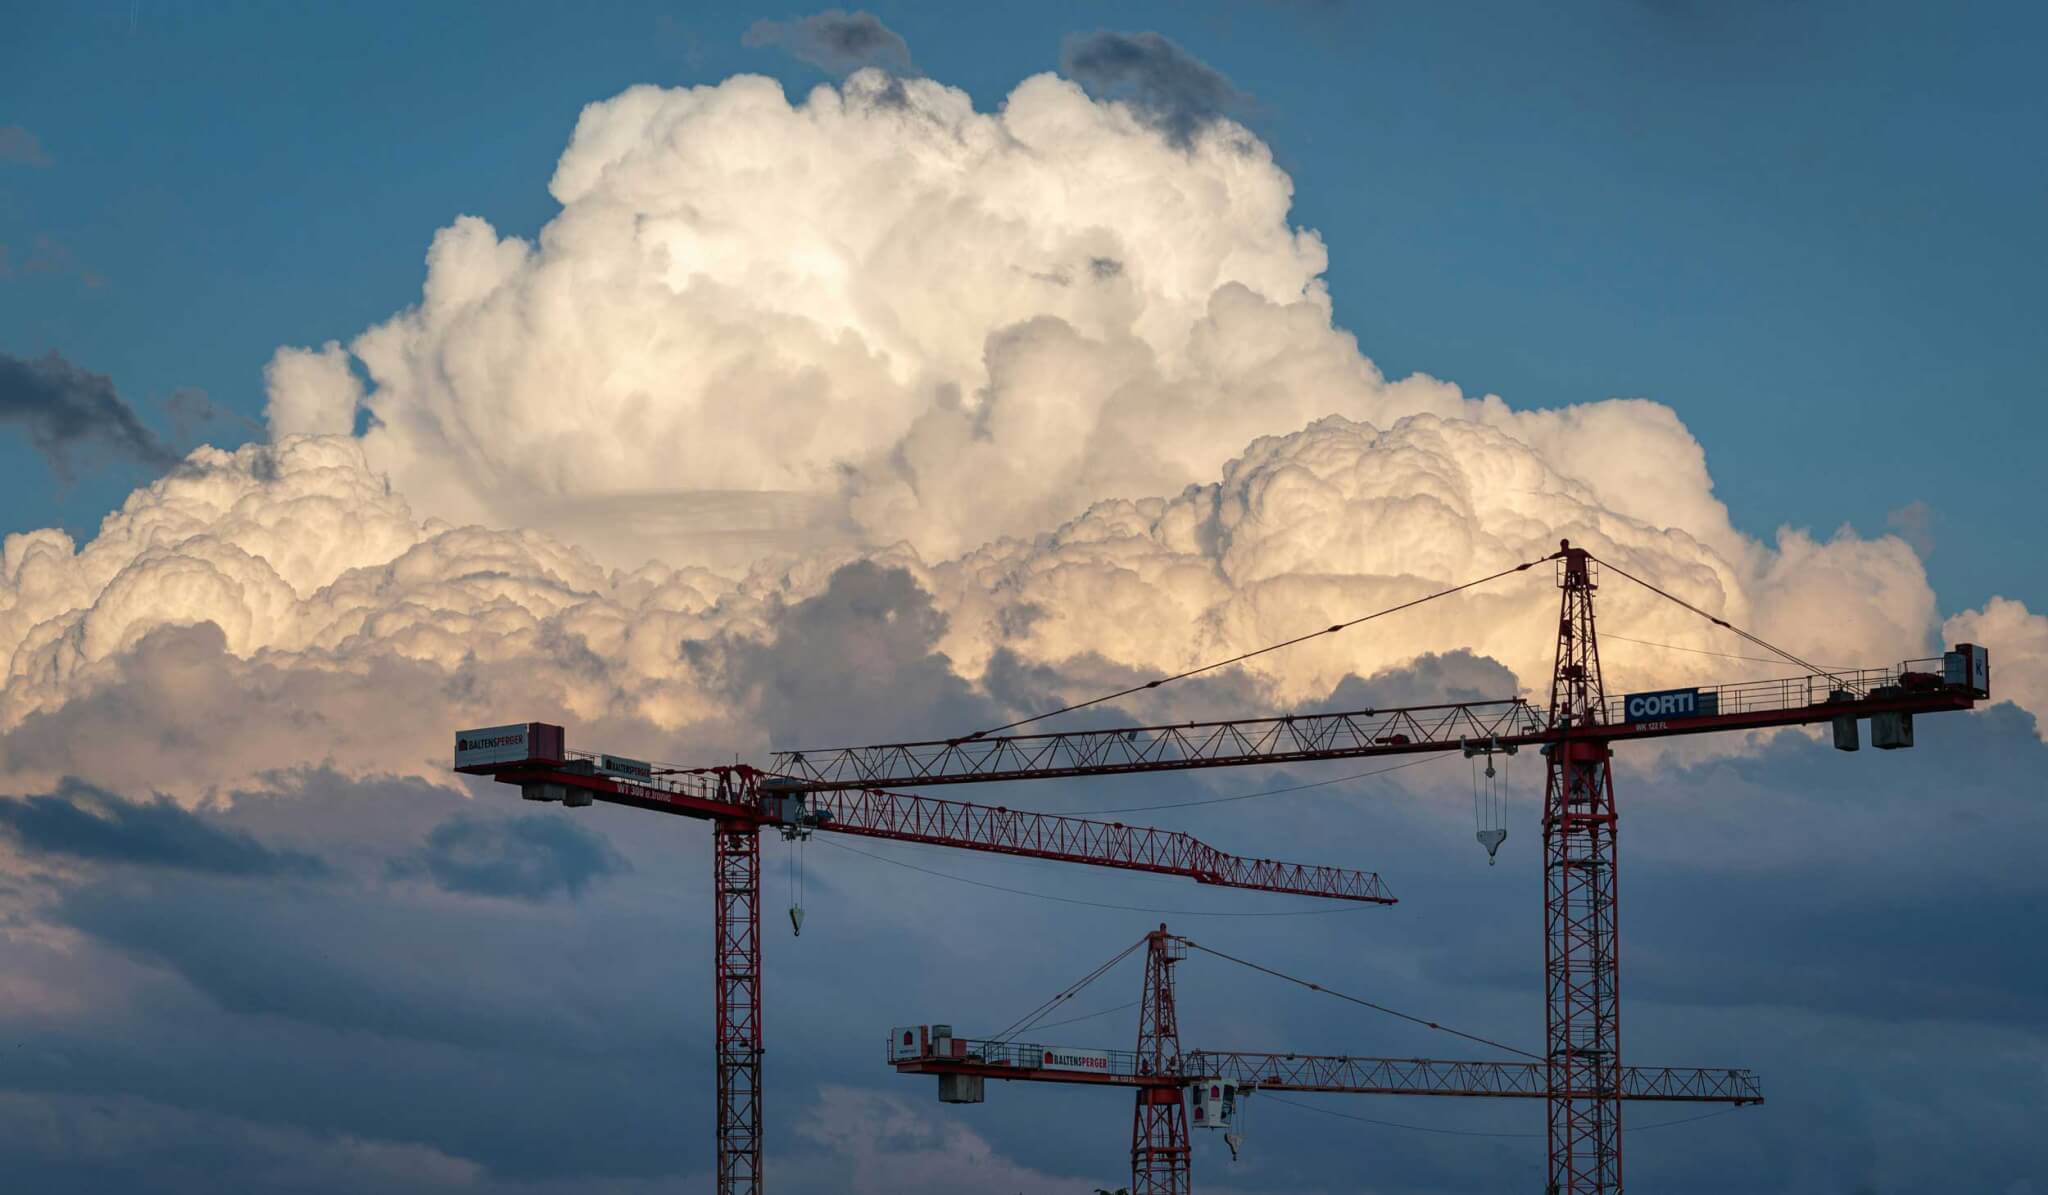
(1811, 229)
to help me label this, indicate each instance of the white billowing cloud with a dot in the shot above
(1081, 381)
(741, 294)
(298, 553)
(880, 315)
(223, 537)
(1342, 518)
(352, 636)
(311, 393)
(2017, 639)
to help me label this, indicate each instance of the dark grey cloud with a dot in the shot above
(858, 663)
(532, 857)
(1429, 680)
(64, 408)
(83, 822)
(836, 41)
(21, 147)
(1175, 90)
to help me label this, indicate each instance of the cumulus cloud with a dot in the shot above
(2018, 641)
(1158, 78)
(64, 408)
(311, 393)
(968, 336)
(524, 858)
(980, 425)
(82, 822)
(835, 41)
(1343, 518)
(955, 280)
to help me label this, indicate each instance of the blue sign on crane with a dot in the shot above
(1670, 703)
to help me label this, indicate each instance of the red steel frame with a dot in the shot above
(1162, 1158)
(1581, 959)
(1584, 1073)
(733, 799)
(737, 972)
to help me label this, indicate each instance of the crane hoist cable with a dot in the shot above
(1489, 804)
(1392, 1012)
(1723, 623)
(1024, 1023)
(1605, 635)
(1243, 656)
(1086, 1016)
(796, 885)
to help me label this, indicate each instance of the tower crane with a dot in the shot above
(841, 788)
(1576, 733)
(740, 802)
(1162, 1155)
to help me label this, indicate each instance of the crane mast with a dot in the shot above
(1161, 1157)
(1582, 1018)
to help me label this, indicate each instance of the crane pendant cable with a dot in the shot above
(1241, 658)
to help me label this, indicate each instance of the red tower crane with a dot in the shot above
(739, 803)
(1577, 733)
(1162, 1156)
(805, 790)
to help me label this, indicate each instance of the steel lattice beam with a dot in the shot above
(737, 974)
(1335, 1074)
(1581, 955)
(1351, 734)
(906, 818)
(1162, 1157)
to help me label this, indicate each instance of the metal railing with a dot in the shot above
(1793, 692)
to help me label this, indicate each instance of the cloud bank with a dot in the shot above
(1102, 431)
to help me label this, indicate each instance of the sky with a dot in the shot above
(715, 379)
